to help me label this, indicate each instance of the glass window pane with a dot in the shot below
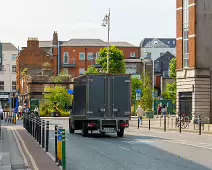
(82, 56)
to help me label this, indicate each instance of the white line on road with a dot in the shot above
(27, 151)
(20, 149)
(124, 148)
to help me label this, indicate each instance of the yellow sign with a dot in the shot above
(59, 150)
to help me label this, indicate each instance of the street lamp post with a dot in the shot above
(106, 22)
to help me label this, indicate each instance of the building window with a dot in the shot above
(185, 34)
(1, 85)
(168, 42)
(82, 56)
(132, 55)
(81, 71)
(14, 57)
(97, 55)
(90, 56)
(65, 58)
(13, 85)
(174, 42)
(148, 54)
(13, 68)
(131, 68)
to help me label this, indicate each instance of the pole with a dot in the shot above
(39, 131)
(153, 74)
(108, 41)
(56, 158)
(47, 136)
(164, 123)
(180, 124)
(63, 149)
(43, 133)
(138, 122)
(199, 126)
(149, 124)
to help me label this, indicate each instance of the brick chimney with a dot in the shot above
(55, 53)
(55, 38)
(33, 43)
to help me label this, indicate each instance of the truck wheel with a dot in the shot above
(84, 129)
(120, 133)
(71, 130)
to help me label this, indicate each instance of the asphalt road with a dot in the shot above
(139, 149)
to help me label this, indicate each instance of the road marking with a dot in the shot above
(124, 148)
(105, 142)
(20, 149)
(26, 150)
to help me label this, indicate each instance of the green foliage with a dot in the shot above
(60, 78)
(116, 60)
(57, 94)
(136, 84)
(91, 70)
(147, 93)
(172, 66)
(171, 89)
(24, 72)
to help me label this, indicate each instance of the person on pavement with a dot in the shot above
(164, 110)
(159, 110)
(140, 113)
(36, 111)
(19, 111)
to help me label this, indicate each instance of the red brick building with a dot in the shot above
(31, 57)
(76, 55)
(194, 51)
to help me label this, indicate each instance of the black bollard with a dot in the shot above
(199, 127)
(33, 126)
(43, 133)
(164, 123)
(39, 131)
(180, 124)
(56, 158)
(149, 124)
(47, 136)
(138, 122)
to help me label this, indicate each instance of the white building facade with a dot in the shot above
(8, 70)
(157, 47)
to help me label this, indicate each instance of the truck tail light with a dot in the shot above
(91, 125)
(124, 125)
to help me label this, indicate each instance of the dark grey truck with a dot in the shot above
(101, 102)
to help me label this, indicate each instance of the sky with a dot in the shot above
(131, 20)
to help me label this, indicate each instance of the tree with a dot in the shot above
(116, 60)
(147, 93)
(92, 69)
(171, 89)
(57, 94)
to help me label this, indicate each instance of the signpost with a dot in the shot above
(59, 145)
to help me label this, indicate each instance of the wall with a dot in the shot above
(8, 62)
(74, 56)
(156, 51)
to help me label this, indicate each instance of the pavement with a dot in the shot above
(20, 151)
(139, 149)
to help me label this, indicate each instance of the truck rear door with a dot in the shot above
(121, 96)
(96, 96)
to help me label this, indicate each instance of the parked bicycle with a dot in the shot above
(184, 121)
(197, 121)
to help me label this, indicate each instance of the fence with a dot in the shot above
(39, 129)
(173, 123)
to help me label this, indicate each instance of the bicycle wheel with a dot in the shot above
(183, 125)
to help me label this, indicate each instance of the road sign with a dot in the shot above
(60, 132)
(138, 94)
(59, 138)
(70, 91)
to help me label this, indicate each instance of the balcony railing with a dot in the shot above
(70, 64)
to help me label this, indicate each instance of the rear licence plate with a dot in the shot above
(108, 130)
